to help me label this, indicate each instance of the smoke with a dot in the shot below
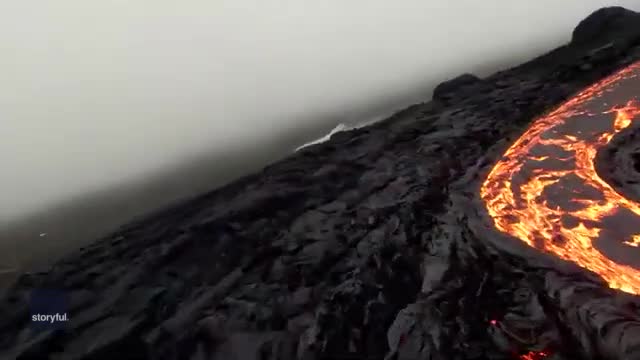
(117, 107)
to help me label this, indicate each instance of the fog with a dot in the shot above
(124, 105)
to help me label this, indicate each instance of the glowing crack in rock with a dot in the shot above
(534, 355)
(545, 190)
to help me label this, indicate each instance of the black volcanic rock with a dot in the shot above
(605, 23)
(445, 90)
(367, 246)
(619, 163)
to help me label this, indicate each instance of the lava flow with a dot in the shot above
(555, 158)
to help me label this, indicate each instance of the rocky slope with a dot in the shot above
(372, 245)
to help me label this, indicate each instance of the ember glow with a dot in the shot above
(555, 158)
(534, 355)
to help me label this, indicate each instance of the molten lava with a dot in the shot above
(556, 156)
(534, 355)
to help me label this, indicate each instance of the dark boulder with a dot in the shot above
(605, 22)
(445, 90)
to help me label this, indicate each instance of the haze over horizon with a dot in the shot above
(102, 94)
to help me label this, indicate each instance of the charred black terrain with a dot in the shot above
(372, 245)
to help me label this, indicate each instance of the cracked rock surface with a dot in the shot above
(372, 245)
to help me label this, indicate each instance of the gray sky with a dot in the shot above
(96, 93)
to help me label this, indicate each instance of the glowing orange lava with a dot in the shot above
(534, 355)
(553, 151)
